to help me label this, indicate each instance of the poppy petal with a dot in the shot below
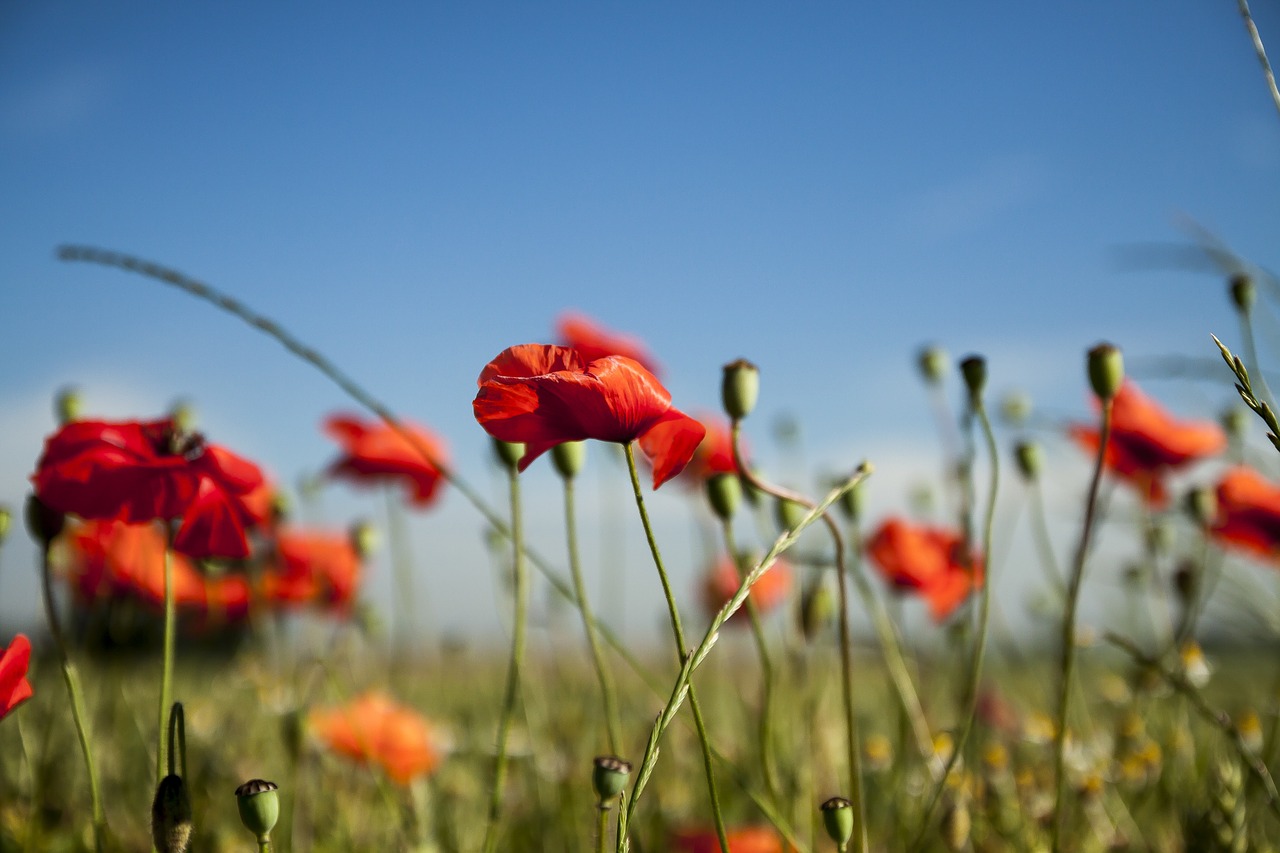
(671, 443)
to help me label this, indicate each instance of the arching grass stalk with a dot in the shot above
(520, 592)
(71, 677)
(852, 741)
(681, 688)
(166, 666)
(682, 650)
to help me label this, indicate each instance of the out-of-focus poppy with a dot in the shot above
(313, 567)
(543, 395)
(715, 452)
(927, 561)
(374, 452)
(14, 687)
(750, 839)
(723, 581)
(139, 471)
(1147, 442)
(374, 729)
(1248, 513)
(577, 331)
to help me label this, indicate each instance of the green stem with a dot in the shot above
(1069, 633)
(521, 594)
(402, 570)
(72, 679)
(1044, 543)
(682, 652)
(612, 720)
(166, 668)
(602, 828)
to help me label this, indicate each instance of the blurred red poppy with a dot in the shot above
(927, 561)
(142, 471)
(543, 395)
(374, 729)
(715, 453)
(1147, 442)
(751, 839)
(374, 452)
(14, 687)
(1248, 513)
(723, 581)
(577, 331)
(313, 567)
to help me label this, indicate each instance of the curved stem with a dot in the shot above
(512, 698)
(682, 651)
(1069, 632)
(72, 679)
(612, 721)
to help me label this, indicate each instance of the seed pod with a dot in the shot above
(739, 388)
(609, 777)
(837, 817)
(259, 805)
(1106, 370)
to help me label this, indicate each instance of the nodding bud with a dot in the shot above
(788, 513)
(1242, 291)
(67, 405)
(569, 457)
(1106, 371)
(6, 517)
(609, 777)
(850, 502)
(1030, 460)
(740, 388)
(1202, 505)
(183, 415)
(259, 805)
(508, 452)
(43, 523)
(837, 817)
(933, 362)
(724, 492)
(974, 371)
(171, 815)
(364, 538)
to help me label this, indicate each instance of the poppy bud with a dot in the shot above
(933, 363)
(43, 523)
(837, 817)
(508, 452)
(1106, 370)
(364, 538)
(1235, 421)
(850, 502)
(974, 370)
(1202, 505)
(817, 609)
(259, 805)
(281, 506)
(749, 491)
(788, 513)
(5, 517)
(171, 815)
(724, 491)
(67, 405)
(1186, 581)
(609, 777)
(1015, 408)
(568, 458)
(1242, 291)
(1159, 537)
(183, 415)
(1030, 458)
(739, 388)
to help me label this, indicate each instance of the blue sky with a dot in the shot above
(818, 187)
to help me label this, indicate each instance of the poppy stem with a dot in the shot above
(520, 592)
(166, 667)
(402, 568)
(612, 721)
(683, 652)
(71, 677)
(1069, 632)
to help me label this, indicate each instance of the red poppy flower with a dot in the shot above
(580, 332)
(1249, 513)
(314, 567)
(1147, 442)
(723, 581)
(544, 395)
(373, 729)
(142, 471)
(928, 561)
(751, 839)
(14, 687)
(376, 453)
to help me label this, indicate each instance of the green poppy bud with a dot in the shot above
(67, 405)
(1202, 505)
(259, 805)
(1235, 421)
(1106, 370)
(817, 609)
(281, 506)
(788, 513)
(933, 362)
(974, 371)
(1016, 408)
(1242, 291)
(724, 491)
(171, 816)
(837, 817)
(609, 777)
(850, 502)
(1030, 459)
(568, 458)
(740, 388)
(43, 523)
(508, 452)
(364, 538)
(753, 495)
(6, 516)
(183, 415)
